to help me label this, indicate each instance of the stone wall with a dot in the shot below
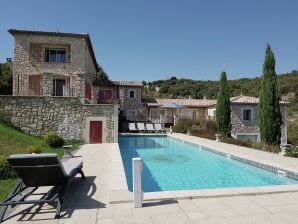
(128, 103)
(66, 115)
(240, 127)
(29, 57)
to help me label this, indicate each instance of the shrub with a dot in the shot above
(183, 125)
(293, 133)
(203, 134)
(234, 141)
(293, 152)
(204, 129)
(33, 149)
(54, 140)
(5, 169)
(265, 147)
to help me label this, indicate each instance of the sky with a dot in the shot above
(156, 39)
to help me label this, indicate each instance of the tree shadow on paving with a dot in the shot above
(79, 195)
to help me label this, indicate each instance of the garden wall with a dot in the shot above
(37, 115)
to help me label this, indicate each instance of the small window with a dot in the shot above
(247, 115)
(56, 55)
(131, 115)
(131, 94)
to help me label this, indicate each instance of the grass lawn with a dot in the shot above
(5, 186)
(13, 141)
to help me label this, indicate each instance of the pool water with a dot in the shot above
(169, 164)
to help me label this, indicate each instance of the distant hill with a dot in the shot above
(196, 89)
(185, 88)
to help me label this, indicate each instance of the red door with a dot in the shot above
(95, 132)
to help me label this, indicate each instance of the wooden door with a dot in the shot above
(95, 132)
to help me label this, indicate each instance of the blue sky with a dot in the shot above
(156, 39)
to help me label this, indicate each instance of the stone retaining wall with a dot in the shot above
(37, 115)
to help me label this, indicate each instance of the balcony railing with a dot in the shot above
(107, 101)
(170, 119)
(40, 57)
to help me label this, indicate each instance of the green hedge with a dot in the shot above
(5, 169)
(54, 140)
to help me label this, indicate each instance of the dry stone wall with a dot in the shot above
(37, 115)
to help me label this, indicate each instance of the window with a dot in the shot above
(56, 55)
(131, 115)
(247, 115)
(59, 87)
(105, 94)
(156, 114)
(191, 114)
(131, 94)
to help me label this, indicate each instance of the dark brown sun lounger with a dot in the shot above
(37, 170)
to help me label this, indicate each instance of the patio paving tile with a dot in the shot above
(173, 218)
(88, 202)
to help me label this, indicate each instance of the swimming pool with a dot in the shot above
(169, 164)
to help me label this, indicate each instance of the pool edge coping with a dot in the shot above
(205, 193)
(271, 168)
(122, 195)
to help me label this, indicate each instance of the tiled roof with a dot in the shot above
(248, 100)
(184, 102)
(203, 102)
(60, 34)
(45, 33)
(128, 83)
(103, 82)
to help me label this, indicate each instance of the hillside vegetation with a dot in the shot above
(196, 89)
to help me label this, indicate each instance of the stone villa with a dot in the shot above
(55, 88)
(53, 74)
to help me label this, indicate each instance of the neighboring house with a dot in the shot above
(130, 100)
(194, 109)
(55, 88)
(244, 118)
(244, 114)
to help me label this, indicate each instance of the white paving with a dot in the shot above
(88, 201)
(268, 158)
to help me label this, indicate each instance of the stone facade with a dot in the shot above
(54, 91)
(132, 104)
(29, 60)
(65, 115)
(249, 129)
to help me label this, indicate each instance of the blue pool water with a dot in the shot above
(169, 164)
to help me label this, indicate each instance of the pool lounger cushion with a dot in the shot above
(36, 170)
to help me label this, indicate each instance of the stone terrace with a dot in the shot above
(87, 202)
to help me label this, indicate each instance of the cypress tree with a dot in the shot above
(269, 111)
(223, 107)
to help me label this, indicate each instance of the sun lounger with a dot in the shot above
(159, 128)
(141, 127)
(37, 170)
(150, 127)
(132, 127)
